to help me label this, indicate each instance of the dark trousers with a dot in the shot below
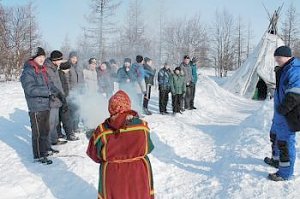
(147, 97)
(74, 116)
(193, 95)
(163, 100)
(64, 119)
(40, 131)
(176, 102)
(189, 96)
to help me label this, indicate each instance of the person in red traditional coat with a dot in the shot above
(121, 145)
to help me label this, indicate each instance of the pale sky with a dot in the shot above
(58, 18)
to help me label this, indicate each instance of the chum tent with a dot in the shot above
(256, 75)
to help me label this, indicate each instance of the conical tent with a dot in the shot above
(259, 66)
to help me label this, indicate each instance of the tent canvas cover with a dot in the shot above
(259, 65)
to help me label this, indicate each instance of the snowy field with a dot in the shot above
(215, 151)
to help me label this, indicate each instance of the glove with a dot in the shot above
(62, 98)
(194, 60)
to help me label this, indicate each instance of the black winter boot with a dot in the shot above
(275, 177)
(272, 162)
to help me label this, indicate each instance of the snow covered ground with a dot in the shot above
(215, 151)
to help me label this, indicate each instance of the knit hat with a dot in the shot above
(186, 57)
(127, 60)
(92, 60)
(283, 51)
(119, 103)
(146, 59)
(56, 55)
(38, 52)
(73, 54)
(178, 68)
(112, 61)
(139, 58)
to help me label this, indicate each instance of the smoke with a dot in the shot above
(92, 107)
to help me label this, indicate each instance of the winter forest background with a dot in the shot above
(224, 42)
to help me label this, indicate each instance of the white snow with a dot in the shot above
(215, 151)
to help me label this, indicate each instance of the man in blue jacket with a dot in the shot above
(286, 120)
(37, 89)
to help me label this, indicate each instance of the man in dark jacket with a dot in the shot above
(37, 89)
(138, 69)
(105, 79)
(114, 69)
(127, 79)
(72, 81)
(164, 88)
(286, 114)
(186, 68)
(149, 73)
(58, 104)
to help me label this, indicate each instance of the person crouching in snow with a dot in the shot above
(286, 114)
(121, 145)
(178, 88)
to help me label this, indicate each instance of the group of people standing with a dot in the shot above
(137, 80)
(48, 84)
(181, 83)
(51, 85)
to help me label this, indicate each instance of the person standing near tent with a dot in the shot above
(286, 115)
(164, 87)
(121, 145)
(36, 85)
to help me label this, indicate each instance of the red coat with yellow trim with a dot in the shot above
(125, 170)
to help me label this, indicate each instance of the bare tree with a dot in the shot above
(102, 24)
(133, 36)
(290, 28)
(185, 37)
(19, 34)
(66, 46)
(223, 42)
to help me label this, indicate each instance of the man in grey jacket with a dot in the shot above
(37, 89)
(56, 102)
(187, 70)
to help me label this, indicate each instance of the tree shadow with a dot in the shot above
(62, 183)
